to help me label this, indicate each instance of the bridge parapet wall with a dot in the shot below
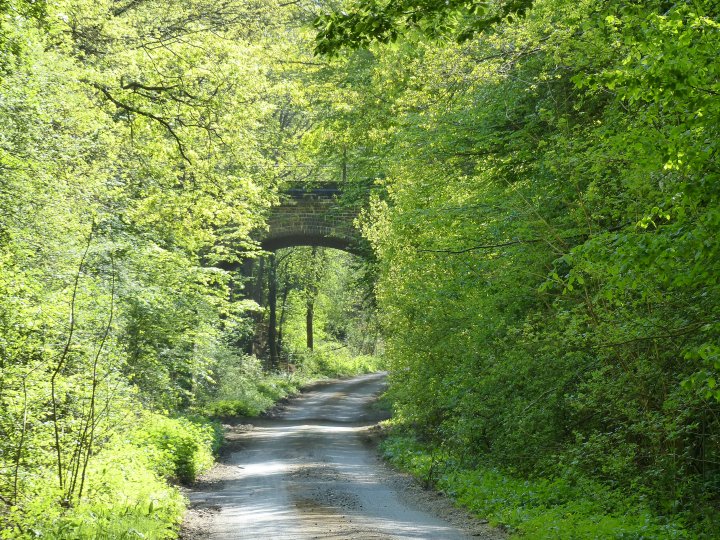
(313, 217)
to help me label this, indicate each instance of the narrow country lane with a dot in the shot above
(308, 474)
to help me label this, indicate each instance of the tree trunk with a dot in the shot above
(281, 322)
(309, 322)
(254, 277)
(312, 292)
(272, 302)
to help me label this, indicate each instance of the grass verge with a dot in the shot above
(534, 509)
(246, 390)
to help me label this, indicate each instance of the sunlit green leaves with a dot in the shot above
(383, 22)
(549, 266)
(140, 144)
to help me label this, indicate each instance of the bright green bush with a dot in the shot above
(181, 448)
(330, 361)
(244, 389)
(127, 494)
(225, 408)
(548, 264)
(126, 498)
(276, 387)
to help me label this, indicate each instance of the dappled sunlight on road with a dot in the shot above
(307, 474)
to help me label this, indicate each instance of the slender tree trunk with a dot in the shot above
(61, 363)
(93, 419)
(255, 290)
(272, 302)
(281, 322)
(309, 314)
(21, 444)
(258, 293)
(312, 292)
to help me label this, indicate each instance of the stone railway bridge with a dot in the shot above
(306, 216)
(312, 217)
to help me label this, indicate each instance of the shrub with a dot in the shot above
(181, 447)
(245, 390)
(126, 498)
(329, 361)
(533, 509)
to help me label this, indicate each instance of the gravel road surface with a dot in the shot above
(309, 472)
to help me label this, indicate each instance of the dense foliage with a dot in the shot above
(540, 188)
(547, 240)
(140, 144)
(329, 287)
(385, 21)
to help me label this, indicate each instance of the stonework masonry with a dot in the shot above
(312, 217)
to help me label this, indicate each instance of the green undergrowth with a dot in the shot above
(132, 480)
(131, 485)
(182, 448)
(332, 361)
(246, 390)
(538, 508)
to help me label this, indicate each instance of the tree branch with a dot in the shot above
(138, 86)
(670, 335)
(63, 357)
(146, 114)
(513, 242)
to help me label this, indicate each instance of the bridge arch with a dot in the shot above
(312, 217)
(306, 216)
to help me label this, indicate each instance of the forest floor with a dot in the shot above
(310, 469)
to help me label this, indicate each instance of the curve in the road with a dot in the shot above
(307, 474)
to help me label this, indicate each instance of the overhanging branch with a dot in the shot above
(513, 242)
(129, 108)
